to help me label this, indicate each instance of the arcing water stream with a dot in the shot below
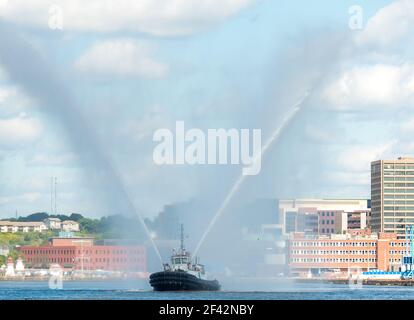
(38, 79)
(273, 138)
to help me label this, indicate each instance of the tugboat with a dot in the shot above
(183, 274)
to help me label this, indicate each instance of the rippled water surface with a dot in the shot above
(134, 290)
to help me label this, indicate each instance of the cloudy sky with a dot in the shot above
(84, 85)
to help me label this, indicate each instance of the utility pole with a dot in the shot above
(182, 238)
(82, 257)
(51, 195)
(55, 195)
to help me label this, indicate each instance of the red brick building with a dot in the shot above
(82, 254)
(344, 252)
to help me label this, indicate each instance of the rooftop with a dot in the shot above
(21, 223)
(53, 219)
(69, 221)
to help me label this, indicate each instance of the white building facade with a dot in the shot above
(18, 226)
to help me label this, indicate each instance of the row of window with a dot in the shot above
(327, 230)
(398, 185)
(398, 208)
(332, 260)
(19, 229)
(399, 214)
(398, 173)
(387, 190)
(51, 260)
(72, 252)
(331, 244)
(394, 226)
(398, 179)
(327, 214)
(334, 252)
(397, 244)
(339, 260)
(72, 260)
(398, 220)
(328, 221)
(49, 252)
(397, 252)
(398, 202)
(398, 196)
(398, 166)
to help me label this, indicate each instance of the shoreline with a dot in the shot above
(42, 279)
(367, 282)
(345, 281)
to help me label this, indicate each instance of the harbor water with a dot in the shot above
(131, 290)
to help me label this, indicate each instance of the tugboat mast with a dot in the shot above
(182, 238)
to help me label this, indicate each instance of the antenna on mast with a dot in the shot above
(182, 238)
(51, 195)
(55, 195)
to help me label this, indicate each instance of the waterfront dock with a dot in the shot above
(367, 282)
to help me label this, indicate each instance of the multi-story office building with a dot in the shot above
(78, 253)
(359, 219)
(392, 195)
(344, 253)
(323, 216)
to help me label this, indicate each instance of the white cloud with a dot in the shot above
(407, 127)
(378, 73)
(121, 57)
(3, 73)
(47, 159)
(12, 101)
(389, 25)
(321, 135)
(25, 197)
(378, 85)
(19, 131)
(156, 17)
(141, 129)
(351, 179)
(358, 158)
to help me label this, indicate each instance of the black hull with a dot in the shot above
(181, 281)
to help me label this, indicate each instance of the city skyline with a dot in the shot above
(191, 71)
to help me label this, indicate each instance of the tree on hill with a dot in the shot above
(114, 226)
(39, 216)
(89, 225)
(61, 217)
(75, 216)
